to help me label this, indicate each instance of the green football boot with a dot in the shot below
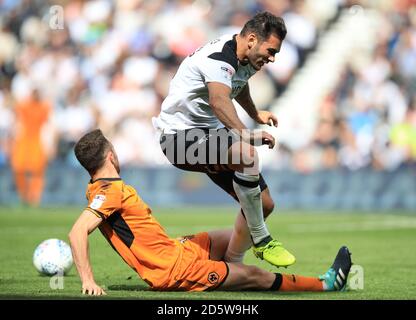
(274, 253)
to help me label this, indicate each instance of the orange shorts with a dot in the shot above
(194, 271)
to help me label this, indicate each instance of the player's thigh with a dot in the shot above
(244, 277)
(219, 242)
(175, 147)
(199, 150)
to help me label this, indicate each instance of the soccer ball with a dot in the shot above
(53, 256)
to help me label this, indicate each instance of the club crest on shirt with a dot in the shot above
(213, 277)
(97, 201)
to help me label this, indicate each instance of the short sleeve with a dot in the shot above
(217, 71)
(105, 201)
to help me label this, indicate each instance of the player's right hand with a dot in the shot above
(258, 138)
(92, 289)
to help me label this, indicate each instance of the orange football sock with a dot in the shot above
(21, 185)
(36, 188)
(291, 282)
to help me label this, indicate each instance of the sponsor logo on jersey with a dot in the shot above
(97, 201)
(228, 72)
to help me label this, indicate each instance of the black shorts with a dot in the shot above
(204, 150)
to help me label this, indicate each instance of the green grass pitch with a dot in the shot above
(383, 244)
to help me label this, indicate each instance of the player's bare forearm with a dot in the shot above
(223, 107)
(80, 252)
(225, 111)
(260, 116)
(245, 100)
(78, 239)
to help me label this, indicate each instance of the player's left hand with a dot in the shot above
(92, 289)
(264, 117)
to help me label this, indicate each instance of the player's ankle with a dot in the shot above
(263, 242)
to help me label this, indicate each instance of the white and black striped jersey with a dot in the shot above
(187, 104)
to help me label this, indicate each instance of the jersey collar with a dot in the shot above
(105, 179)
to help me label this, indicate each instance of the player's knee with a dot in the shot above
(250, 159)
(243, 157)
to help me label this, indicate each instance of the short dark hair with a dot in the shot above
(91, 150)
(264, 24)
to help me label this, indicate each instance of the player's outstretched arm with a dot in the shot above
(78, 238)
(260, 116)
(223, 108)
(245, 100)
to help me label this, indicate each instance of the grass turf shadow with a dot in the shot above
(124, 287)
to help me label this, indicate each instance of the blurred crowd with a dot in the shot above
(369, 119)
(110, 63)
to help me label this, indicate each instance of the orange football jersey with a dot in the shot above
(164, 263)
(132, 231)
